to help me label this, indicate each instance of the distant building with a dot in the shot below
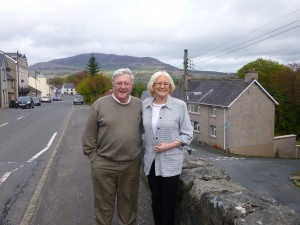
(68, 88)
(19, 70)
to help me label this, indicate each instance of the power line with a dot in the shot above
(216, 54)
(250, 32)
(250, 44)
(251, 40)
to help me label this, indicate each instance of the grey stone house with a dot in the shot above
(233, 115)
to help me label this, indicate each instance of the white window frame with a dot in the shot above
(213, 111)
(194, 108)
(196, 125)
(213, 131)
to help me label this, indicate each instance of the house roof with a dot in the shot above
(145, 95)
(1, 57)
(58, 86)
(217, 92)
(40, 76)
(68, 85)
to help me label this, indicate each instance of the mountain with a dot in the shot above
(106, 62)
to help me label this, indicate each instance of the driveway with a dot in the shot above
(264, 176)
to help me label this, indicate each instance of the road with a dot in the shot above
(27, 140)
(264, 176)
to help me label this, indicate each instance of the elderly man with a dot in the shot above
(112, 140)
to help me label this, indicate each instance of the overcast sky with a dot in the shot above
(211, 30)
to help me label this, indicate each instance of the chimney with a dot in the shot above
(250, 76)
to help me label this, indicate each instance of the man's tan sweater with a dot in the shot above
(113, 130)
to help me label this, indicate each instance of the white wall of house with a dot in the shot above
(68, 88)
(44, 87)
(36, 84)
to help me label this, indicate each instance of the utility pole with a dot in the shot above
(185, 75)
(18, 75)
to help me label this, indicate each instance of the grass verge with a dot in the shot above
(295, 178)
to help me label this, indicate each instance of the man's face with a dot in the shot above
(122, 87)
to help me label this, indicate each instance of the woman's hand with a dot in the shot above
(162, 147)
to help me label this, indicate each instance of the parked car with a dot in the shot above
(46, 99)
(57, 98)
(24, 102)
(78, 99)
(37, 101)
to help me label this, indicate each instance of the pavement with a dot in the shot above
(144, 216)
(64, 194)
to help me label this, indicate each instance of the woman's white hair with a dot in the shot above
(154, 78)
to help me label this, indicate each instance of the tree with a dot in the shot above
(93, 87)
(76, 77)
(92, 66)
(288, 83)
(138, 89)
(266, 70)
(56, 80)
(281, 82)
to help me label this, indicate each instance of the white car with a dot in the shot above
(46, 99)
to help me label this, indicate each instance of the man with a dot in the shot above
(112, 140)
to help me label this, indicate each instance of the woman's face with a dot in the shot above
(162, 87)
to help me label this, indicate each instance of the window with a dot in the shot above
(213, 131)
(196, 126)
(194, 108)
(213, 111)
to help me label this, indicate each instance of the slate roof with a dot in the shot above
(1, 57)
(58, 86)
(145, 95)
(68, 85)
(216, 92)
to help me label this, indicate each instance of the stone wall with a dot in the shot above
(208, 196)
(284, 146)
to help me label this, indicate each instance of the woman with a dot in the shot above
(167, 129)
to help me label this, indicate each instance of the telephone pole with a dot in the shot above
(186, 76)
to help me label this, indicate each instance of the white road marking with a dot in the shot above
(4, 177)
(2, 125)
(225, 158)
(20, 117)
(45, 149)
(7, 174)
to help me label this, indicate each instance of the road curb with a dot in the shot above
(296, 180)
(35, 198)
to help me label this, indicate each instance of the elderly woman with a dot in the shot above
(167, 129)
